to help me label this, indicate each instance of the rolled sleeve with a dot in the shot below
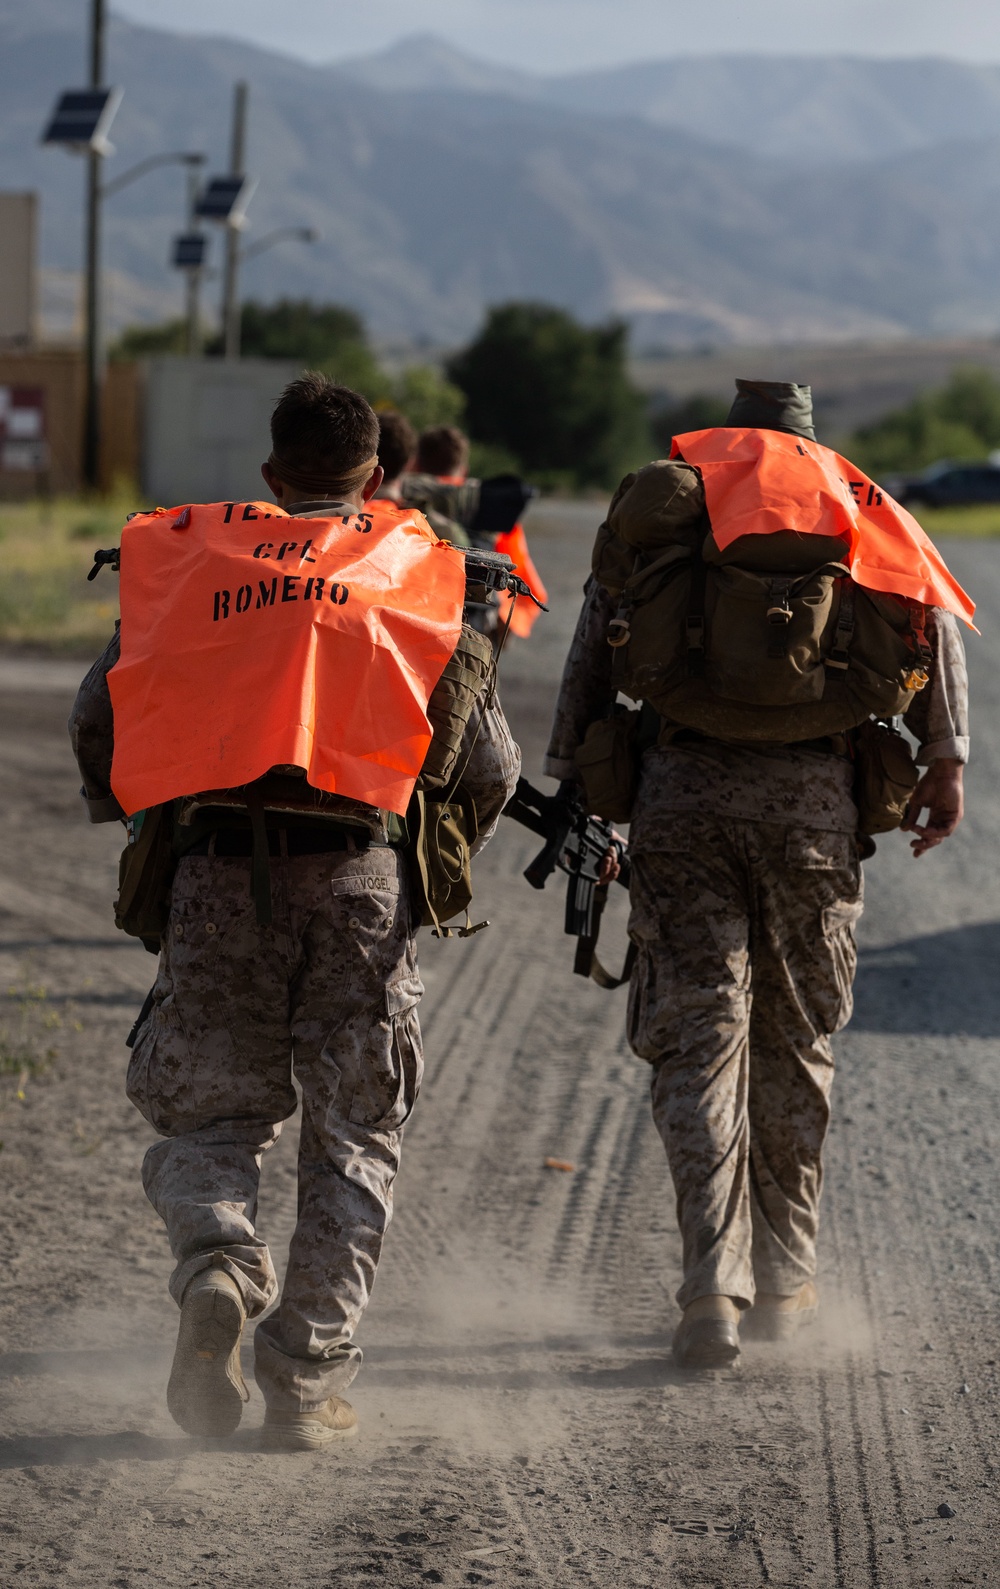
(492, 768)
(92, 734)
(586, 690)
(939, 715)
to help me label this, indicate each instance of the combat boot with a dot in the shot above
(309, 1431)
(777, 1318)
(206, 1390)
(708, 1335)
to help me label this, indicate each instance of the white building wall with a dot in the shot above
(206, 427)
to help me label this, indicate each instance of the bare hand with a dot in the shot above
(940, 793)
(610, 868)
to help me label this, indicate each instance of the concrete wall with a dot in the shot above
(206, 427)
(18, 252)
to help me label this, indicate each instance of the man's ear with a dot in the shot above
(372, 484)
(271, 480)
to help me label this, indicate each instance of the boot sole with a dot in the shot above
(281, 1437)
(206, 1390)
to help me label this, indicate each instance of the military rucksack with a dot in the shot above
(770, 639)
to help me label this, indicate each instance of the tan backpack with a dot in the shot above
(769, 640)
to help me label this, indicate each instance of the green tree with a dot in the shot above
(554, 394)
(959, 420)
(324, 337)
(426, 398)
(143, 342)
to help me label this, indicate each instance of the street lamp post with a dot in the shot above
(80, 123)
(230, 292)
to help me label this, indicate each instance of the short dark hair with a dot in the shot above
(322, 430)
(443, 449)
(397, 442)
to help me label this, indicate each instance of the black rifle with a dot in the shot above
(577, 843)
(485, 572)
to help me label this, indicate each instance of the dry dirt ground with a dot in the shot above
(522, 1422)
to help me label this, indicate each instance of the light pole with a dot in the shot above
(195, 242)
(92, 360)
(80, 123)
(230, 291)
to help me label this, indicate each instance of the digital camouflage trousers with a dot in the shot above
(329, 988)
(746, 959)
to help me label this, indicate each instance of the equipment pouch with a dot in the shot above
(468, 674)
(444, 832)
(145, 875)
(885, 777)
(608, 764)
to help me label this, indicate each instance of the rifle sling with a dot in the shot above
(585, 961)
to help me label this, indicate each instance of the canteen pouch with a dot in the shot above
(608, 764)
(443, 833)
(885, 776)
(145, 875)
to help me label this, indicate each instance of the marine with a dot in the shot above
(746, 890)
(287, 954)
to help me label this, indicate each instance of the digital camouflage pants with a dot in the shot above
(330, 987)
(745, 933)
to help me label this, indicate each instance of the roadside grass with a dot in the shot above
(46, 551)
(981, 523)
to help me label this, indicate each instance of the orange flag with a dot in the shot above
(251, 639)
(514, 544)
(758, 481)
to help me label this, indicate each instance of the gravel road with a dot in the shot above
(522, 1422)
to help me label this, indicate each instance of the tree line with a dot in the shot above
(550, 398)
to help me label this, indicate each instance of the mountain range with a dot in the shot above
(710, 200)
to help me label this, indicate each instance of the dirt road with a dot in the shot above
(522, 1423)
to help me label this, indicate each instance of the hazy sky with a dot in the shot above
(561, 35)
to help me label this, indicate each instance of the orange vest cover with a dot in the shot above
(514, 543)
(758, 481)
(251, 639)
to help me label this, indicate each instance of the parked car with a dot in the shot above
(947, 485)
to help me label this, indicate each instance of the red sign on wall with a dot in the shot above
(23, 443)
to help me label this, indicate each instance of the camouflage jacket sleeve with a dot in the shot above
(92, 732)
(586, 690)
(938, 717)
(492, 770)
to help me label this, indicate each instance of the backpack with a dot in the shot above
(769, 640)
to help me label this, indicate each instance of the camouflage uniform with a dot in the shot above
(332, 984)
(746, 890)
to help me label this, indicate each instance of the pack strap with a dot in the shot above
(260, 862)
(694, 624)
(839, 657)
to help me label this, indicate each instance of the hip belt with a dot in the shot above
(283, 842)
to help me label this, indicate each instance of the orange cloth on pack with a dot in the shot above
(251, 639)
(758, 481)
(514, 544)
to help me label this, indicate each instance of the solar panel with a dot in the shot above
(226, 199)
(189, 250)
(82, 118)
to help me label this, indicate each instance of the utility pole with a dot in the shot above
(193, 338)
(237, 168)
(93, 350)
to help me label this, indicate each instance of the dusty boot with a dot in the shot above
(777, 1318)
(708, 1335)
(206, 1390)
(309, 1431)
